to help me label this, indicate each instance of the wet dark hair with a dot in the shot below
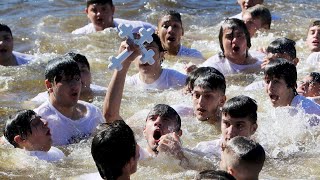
(157, 40)
(233, 24)
(172, 13)
(251, 154)
(282, 69)
(206, 77)
(261, 12)
(241, 107)
(215, 175)
(5, 28)
(283, 45)
(164, 110)
(79, 58)
(89, 2)
(315, 77)
(59, 67)
(112, 148)
(19, 125)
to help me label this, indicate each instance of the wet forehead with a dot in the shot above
(232, 120)
(229, 30)
(314, 28)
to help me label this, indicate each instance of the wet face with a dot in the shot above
(313, 39)
(253, 24)
(170, 31)
(207, 103)
(157, 126)
(234, 43)
(101, 15)
(158, 57)
(6, 45)
(85, 76)
(40, 139)
(245, 4)
(278, 91)
(66, 93)
(308, 88)
(232, 127)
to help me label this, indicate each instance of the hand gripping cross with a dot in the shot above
(145, 36)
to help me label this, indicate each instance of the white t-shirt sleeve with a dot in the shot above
(208, 148)
(313, 58)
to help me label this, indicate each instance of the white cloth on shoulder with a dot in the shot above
(226, 67)
(22, 58)
(309, 106)
(65, 130)
(169, 78)
(137, 25)
(209, 148)
(54, 154)
(313, 59)
(189, 52)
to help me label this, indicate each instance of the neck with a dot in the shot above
(72, 112)
(149, 78)
(173, 50)
(290, 98)
(11, 61)
(124, 177)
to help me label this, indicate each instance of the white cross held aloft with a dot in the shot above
(145, 36)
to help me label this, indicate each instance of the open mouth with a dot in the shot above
(157, 135)
(201, 110)
(235, 48)
(171, 39)
(274, 97)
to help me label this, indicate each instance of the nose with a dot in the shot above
(170, 29)
(201, 100)
(232, 132)
(158, 122)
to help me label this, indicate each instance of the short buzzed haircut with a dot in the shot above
(89, 2)
(241, 107)
(246, 155)
(172, 13)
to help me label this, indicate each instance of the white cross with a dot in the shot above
(145, 36)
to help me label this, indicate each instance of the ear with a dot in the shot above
(254, 127)
(86, 11)
(223, 100)
(179, 133)
(231, 171)
(48, 85)
(295, 61)
(18, 140)
(156, 31)
(182, 31)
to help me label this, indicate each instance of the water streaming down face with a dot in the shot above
(44, 29)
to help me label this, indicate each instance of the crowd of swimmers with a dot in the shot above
(67, 116)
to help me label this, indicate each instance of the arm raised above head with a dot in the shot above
(112, 100)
